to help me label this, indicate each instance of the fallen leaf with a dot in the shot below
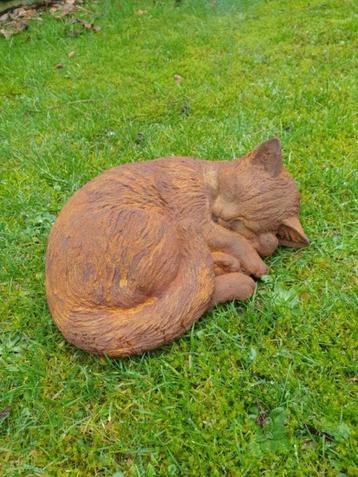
(61, 10)
(185, 109)
(87, 25)
(66, 10)
(20, 12)
(178, 78)
(140, 12)
(71, 54)
(139, 138)
(316, 432)
(31, 12)
(5, 413)
(261, 419)
(13, 28)
(59, 66)
(15, 20)
(5, 33)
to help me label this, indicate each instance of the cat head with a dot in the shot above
(258, 198)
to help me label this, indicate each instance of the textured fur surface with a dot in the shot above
(143, 250)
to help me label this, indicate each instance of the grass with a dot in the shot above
(263, 388)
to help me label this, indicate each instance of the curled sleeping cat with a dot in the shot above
(143, 250)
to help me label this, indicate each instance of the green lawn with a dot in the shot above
(263, 388)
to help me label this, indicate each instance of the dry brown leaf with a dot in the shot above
(13, 28)
(261, 419)
(59, 66)
(178, 78)
(5, 33)
(15, 21)
(31, 12)
(66, 10)
(87, 25)
(20, 12)
(60, 10)
(5, 413)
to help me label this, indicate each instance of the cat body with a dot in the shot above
(143, 250)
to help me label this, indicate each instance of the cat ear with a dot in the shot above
(268, 155)
(291, 234)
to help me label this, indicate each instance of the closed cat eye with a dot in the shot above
(237, 222)
(239, 226)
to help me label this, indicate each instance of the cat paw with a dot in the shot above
(247, 288)
(257, 270)
(233, 286)
(260, 271)
(224, 263)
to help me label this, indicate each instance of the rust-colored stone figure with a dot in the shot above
(143, 250)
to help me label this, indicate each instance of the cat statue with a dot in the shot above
(143, 250)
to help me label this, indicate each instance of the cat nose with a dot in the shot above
(215, 218)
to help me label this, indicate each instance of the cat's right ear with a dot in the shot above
(268, 156)
(291, 234)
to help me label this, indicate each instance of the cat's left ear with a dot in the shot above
(291, 234)
(268, 155)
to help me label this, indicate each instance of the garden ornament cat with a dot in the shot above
(143, 250)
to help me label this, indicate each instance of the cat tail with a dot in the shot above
(157, 321)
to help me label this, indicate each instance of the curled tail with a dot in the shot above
(132, 285)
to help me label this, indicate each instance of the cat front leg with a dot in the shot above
(224, 263)
(232, 286)
(220, 239)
